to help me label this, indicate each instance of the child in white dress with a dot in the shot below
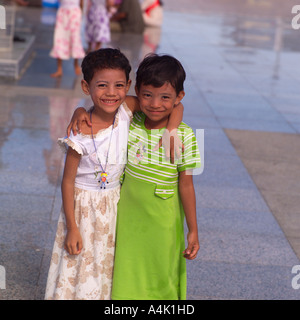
(83, 253)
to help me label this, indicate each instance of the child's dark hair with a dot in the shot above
(106, 58)
(156, 70)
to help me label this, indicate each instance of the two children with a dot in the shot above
(150, 215)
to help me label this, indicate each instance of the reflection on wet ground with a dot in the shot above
(242, 88)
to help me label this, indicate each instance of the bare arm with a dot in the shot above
(170, 139)
(133, 103)
(79, 116)
(188, 199)
(175, 117)
(73, 241)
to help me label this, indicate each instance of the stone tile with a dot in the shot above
(221, 280)
(25, 206)
(229, 220)
(232, 198)
(257, 125)
(216, 142)
(30, 232)
(233, 246)
(201, 122)
(224, 171)
(22, 266)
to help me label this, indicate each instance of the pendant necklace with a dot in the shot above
(103, 174)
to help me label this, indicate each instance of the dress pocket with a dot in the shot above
(164, 192)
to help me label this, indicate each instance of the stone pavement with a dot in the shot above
(242, 88)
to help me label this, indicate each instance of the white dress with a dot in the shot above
(67, 42)
(89, 274)
(97, 27)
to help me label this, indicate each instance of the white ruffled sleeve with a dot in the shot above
(75, 142)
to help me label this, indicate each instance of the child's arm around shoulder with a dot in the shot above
(133, 103)
(79, 117)
(188, 199)
(170, 139)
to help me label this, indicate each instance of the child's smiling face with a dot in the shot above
(108, 89)
(158, 103)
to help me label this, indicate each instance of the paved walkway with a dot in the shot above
(242, 88)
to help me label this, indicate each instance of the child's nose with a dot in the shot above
(155, 103)
(111, 90)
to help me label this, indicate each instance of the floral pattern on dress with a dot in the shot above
(89, 274)
(67, 35)
(97, 27)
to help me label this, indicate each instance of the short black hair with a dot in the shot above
(105, 58)
(156, 70)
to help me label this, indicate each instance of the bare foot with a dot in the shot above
(56, 74)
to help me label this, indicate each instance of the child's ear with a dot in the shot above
(136, 91)
(128, 85)
(85, 87)
(179, 97)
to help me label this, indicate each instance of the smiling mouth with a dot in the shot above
(155, 111)
(110, 101)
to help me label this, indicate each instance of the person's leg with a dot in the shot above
(77, 67)
(59, 71)
(89, 49)
(97, 46)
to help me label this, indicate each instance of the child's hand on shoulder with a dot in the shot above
(172, 144)
(79, 117)
(191, 251)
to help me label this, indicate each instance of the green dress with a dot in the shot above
(149, 264)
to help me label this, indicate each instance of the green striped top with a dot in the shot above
(152, 166)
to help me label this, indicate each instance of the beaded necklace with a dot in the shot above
(103, 174)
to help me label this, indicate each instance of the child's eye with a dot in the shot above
(120, 85)
(166, 97)
(146, 95)
(101, 85)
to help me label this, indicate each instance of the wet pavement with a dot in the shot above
(242, 88)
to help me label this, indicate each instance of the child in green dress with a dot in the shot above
(156, 194)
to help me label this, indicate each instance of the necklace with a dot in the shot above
(103, 174)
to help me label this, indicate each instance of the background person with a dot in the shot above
(152, 13)
(129, 17)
